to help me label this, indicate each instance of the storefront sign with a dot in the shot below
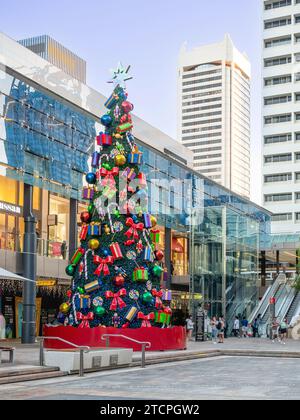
(10, 208)
(46, 283)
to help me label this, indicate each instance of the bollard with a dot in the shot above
(81, 363)
(143, 355)
(42, 352)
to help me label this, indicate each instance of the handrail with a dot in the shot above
(81, 349)
(145, 344)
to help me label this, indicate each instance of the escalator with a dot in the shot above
(294, 308)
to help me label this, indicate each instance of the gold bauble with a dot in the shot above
(153, 221)
(118, 136)
(64, 308)
(107, 230)
(120, 160)
(94, 244)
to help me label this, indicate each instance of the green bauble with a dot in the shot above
(157, 271)
(70, 270)
(147, 297)
(91, 208)
(81, 290)
(100, 311)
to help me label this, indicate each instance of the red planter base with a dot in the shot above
(161, 339)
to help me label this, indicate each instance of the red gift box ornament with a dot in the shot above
(103, 265)
(117, 301)
(116, 251)
(85, 319)
(134, 228)
(84, 232)
(104, 139)
(158, 296)
(146, 319)
(109, 176)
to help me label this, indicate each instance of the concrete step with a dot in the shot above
(20, 371)
(260, 353)
(175, 358)
(31, 377)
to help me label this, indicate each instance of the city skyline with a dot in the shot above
(157, 104)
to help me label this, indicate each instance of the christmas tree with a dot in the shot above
(116, 272)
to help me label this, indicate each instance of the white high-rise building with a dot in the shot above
(281, 113)
(214, 112)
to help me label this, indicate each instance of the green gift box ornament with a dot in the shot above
(140, 275)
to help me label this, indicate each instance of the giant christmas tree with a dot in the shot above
(116, 272)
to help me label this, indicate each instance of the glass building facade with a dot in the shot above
(211, 235)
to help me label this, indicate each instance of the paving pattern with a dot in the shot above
(210, 379)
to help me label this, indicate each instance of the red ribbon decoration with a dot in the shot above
(109, 176)
(134, 228)
(85, 319)
(158, 296)
(130, 242)
(117, 301)
(103, 265)
(146, 319)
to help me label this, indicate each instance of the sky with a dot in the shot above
(147, 34)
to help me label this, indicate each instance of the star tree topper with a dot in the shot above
(120, 76)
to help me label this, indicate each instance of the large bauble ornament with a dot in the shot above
(85, 217)
(106, 120)
(91, 178)
(159, 255)
(94, 244)
(120, 160)
(119, 281)
(64, 308)
(147, 297)
(70, 270)
(157, 271)
(153, 221)
(127, 107)
(100, 311)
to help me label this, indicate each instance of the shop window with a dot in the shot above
(179, 255)
(59, 210)
(8, 190)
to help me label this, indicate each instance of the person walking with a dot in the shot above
(274, 330)
(189, 327)
(283, 330)
(255, 328)
(245, 327)
(214, 330)
(236, 327)
(259, 326)
(221, 329)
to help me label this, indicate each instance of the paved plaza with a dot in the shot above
(217, 378)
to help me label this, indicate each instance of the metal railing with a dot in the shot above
(82, 350)
(145, 344)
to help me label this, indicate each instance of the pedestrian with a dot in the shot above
(274, 329)
(245, 327)
(259, 326)
(255, 328)
(283, 330)
(214, 330)
(189, 327)
(221, 329)
(236, 327)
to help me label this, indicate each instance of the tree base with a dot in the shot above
(161, 339)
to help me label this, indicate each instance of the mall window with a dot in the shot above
(58, 226)
(278, 177)
(180, 254)
(283, 217)
(280, 138)
(278, 197)
(286, 157)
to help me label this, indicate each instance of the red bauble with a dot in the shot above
(127, 107)
(123, 119)
(85, 216)
(119, 281)
(69, 293)
(159, 255)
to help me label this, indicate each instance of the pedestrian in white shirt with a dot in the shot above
(236, 327)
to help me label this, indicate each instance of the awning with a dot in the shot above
(7, 275)
(176, 246)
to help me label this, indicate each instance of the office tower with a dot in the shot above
(54, 52)
(214, 112)
(281, 113)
